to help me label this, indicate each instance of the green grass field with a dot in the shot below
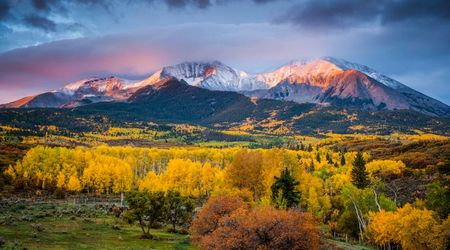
(66, 226)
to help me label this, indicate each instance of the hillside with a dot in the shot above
(175, 101)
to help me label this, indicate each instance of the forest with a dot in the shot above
(331, 190)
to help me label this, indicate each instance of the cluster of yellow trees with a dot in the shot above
(410, 227)
(192, 171)
(325, 181)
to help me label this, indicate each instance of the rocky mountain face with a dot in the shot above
(327, 81)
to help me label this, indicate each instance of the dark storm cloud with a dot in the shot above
(263, 1)
(349, 13)
(202, 4)
(4, 9)
(331, 13)
(43, 5)
(40, 22)
(417, 9)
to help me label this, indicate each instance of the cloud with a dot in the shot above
(202, 4)
(40, 22)
(417, 9)
(331, 14)
(263, 1)
(4, 9)
(43, 5)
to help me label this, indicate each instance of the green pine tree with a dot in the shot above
(359, 174)
(329, 159)
(311, 167)
(284, 190)
(342, 159)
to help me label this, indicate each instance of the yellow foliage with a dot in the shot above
(410, 227)
(60, 180)
(151, 183)
(74, 184)
(385, 168)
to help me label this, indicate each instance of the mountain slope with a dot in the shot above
(79, 93)
(174, 101)
(326, 81)
(417, 100)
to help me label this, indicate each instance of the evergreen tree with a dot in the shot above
(329, 159)
(342, 159)
(311, 167)
(318, 157)
(284, 190)
(359, 174)
(310, 148)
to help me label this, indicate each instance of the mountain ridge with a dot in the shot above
(325, 81)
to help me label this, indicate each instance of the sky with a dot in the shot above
(45, 44)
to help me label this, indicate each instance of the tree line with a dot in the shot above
(345, 190)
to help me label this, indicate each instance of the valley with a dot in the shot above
(318, 154)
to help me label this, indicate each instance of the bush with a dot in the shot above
(37, 227)
(235, 225)
(212, 212)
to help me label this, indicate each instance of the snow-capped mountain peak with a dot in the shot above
(344, 65)
(327, 80)
(213, 75)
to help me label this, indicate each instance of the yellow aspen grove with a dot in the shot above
(151, 183)
(60, 180)
(385, 168)
(74, 184)
(122, 179)
(410, 227)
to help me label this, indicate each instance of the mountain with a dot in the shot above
(327, 81)
(79, 93)
(212, 75)
(173, 101)
(346, 88)
(417, 100)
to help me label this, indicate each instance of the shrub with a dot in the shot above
(242, 228)
(212, 212)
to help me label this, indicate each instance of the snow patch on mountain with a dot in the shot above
(212, 75)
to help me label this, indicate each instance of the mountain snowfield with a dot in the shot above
(325, 81)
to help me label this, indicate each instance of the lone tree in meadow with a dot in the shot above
(284, 190)
(179, 209)
(359, 174)
(147, 209)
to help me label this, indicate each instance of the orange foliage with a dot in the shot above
(212, 212)
(244, 228)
